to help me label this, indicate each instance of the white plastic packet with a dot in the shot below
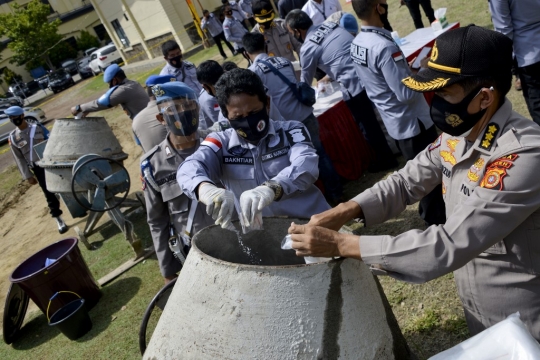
(441, 22)
(286, 244)
(506, 340)
(257, 223)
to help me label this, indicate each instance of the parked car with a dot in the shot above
(33, 86)
(32, 115)
(84, 68)
(60, 80)
(20, 90)
(11, 101)
(71, 66)
(104, 57)
(87, 52)
(43, 82)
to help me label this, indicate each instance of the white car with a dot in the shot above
(32, 115)
(103, 57)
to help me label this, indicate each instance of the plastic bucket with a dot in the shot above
(72, 319)
(68, 272)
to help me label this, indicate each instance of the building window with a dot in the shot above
(101, 32)
(120, 32)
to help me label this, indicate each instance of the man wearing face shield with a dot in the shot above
(124, 92)
(171, 215)
(182, 70)
(279, 41)
(487, 161)
(267, 166)
(21, 142)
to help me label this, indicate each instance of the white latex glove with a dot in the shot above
(219, 203)
(253, 201)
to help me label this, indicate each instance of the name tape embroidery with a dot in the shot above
(238, 160)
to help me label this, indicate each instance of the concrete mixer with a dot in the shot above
(242, 297)
(83, 165)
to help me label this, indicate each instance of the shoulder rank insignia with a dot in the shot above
(474, 172)
(435, 144)
(489, 135)
(448, 156)
(496, 171)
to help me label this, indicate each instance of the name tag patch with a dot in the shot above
(166, 179)
(275, 154)
(359, 54)
(322, 31)
(237, 160)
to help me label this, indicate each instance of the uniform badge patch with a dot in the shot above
(143, 183)
(168, 151)
(448, 156)
(398, 56)
(489, 134)
(435, 144)
(297, 135)
(359, 55)
(496, 171)
(212, 143)
(474, 172)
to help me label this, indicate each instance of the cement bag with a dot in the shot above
(507, 340)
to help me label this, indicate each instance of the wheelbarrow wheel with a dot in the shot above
(159, 300)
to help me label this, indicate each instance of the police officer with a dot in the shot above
(268, 165)
(290, 107)
(320, 10)
(124, 92)
(327, 47)
(237, 12)
(168, 209)
(21, 142)
(487, 161)
(279, 41)
(145, 126)
(245, 5)
(381, 65)
(212, 23)
(233, 29)
(183, 70)
(208, 74)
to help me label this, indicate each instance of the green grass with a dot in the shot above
(9, 178)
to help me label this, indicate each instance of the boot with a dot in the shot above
(62, 227)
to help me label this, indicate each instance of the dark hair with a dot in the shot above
(229, 65)
(225, 7)
(205, 11)
(209, 72)
(169, 45)
(502, 82)
(253, 42)
(363, 8)
(299, 20)
(239, 81)
(224, 2)
(258, 5)
(120, 74)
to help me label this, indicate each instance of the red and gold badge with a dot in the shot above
(496, 171)
(474, 172)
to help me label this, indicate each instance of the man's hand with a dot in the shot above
(219, 203)
(253, 201)
(317, 241)
(335, 218)
(74, 110)
(32, 181)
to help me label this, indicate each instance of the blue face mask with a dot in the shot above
(252, 127)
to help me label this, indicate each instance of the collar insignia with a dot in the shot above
(489, 135)
(168, 151)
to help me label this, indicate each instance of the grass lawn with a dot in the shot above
(430, 315)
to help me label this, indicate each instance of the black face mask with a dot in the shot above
(111, 84)
(252, 127)
(384, 17)
(17, 121)
(176, 61)
(184, 123)
(454, 119)
(266, 24)
(207, 89)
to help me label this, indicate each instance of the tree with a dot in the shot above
(62, 52)
(11, 77)
(87, 41)
(32, 35)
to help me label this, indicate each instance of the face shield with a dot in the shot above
(181, 115)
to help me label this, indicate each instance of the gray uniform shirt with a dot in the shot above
(212, 24)
(186, 74)
(210, 111)
(327, 47)
(490, 239)
(237, 12)
(165, 202)
(380, 63)
(279, 41)
(129, 94)
(147, 128)
(234, 30)
(320, 12)
(245, 5)
(285, 155)
(281, 95)
(520, 21)
(19, 141)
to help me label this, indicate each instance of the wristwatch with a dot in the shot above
(274, 185)
(78, 108)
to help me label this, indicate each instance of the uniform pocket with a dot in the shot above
(179, 205)
(238, 171)
(275, 161)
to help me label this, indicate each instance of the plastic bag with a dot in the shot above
(256, 224)
(506, 340)
(286, 244)
(441, 22)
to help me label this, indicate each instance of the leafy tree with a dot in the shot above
(62, 52)
(11, 77)
(32, 35)
(87, 41)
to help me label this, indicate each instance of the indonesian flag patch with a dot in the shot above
(212, 143)
(397, 56)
